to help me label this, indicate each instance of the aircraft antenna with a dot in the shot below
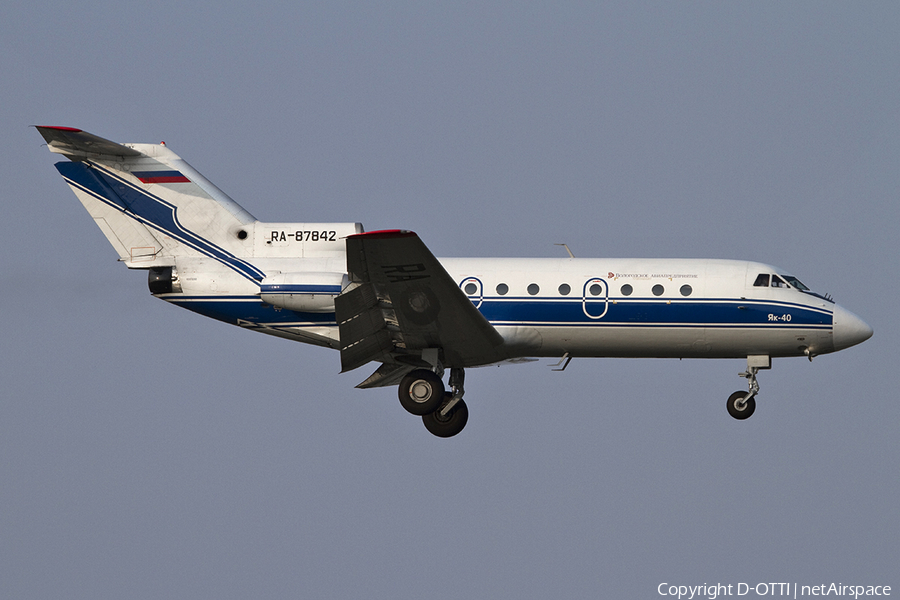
(567, 249)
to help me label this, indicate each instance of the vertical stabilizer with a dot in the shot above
(152, 205)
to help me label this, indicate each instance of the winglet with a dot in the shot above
(76, 144)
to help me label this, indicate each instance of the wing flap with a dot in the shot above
(362, 326)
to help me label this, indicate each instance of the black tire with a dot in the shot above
(421, 392)
(450, 425)
(736, 410)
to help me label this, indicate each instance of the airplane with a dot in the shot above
(383, 297)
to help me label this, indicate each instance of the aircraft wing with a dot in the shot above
(405, 302)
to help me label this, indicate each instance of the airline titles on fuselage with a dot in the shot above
(652, 275)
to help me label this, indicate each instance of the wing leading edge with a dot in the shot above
(404, 302)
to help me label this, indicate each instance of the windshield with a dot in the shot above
(795, 283)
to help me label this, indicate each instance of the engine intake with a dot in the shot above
(163, 280)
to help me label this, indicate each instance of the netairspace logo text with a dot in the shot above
(792, 590)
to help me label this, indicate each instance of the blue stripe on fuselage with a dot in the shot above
(549, 313)
(646, 312)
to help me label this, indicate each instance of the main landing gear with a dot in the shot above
(422, 393)
(742, 404)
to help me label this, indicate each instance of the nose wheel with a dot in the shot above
(740, 406)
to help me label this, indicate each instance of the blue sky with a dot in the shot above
(148, 452)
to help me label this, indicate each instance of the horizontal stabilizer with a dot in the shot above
(77, 144)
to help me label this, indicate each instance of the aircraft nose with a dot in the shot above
(849, 329)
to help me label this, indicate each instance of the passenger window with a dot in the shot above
(533, 289)
(658, 290)
(762, 280)
(778, 282)
(564, 289)
(502, 289)
(471, 288)
(627, 289)
(686, 290)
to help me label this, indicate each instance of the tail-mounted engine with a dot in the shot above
(303, 292)
(163, 280)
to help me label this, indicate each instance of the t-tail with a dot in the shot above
(199, 245)
(150, 204)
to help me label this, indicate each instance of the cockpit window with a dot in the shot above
(796, 283)
(787, 282)
(762, 280)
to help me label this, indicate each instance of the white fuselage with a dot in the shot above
(644, 308)
(680, 308)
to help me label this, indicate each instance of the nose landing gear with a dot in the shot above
(741, 405)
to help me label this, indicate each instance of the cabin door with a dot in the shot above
(594, 298)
